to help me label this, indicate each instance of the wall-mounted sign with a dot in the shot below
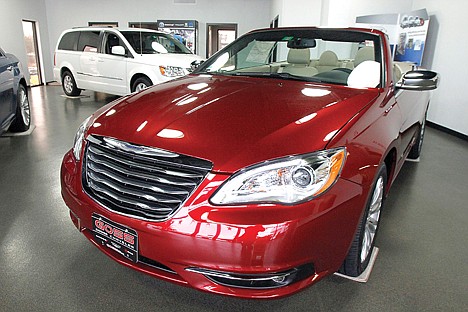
(185, 31)
(407, 33)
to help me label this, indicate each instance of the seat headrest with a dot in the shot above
(365, 75)
(299, 56)
(328, 58)
(364, 54)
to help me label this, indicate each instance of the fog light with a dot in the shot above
(257, 281)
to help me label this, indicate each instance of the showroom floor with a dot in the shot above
(47, 265)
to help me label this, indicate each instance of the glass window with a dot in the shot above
(152, 42)
(112, 40)
(89, 41)
(318, 55)
(69, 41)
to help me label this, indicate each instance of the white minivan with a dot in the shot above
(118, 61)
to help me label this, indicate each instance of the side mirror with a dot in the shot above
(419, 80)
(194, 65)
(118, 50)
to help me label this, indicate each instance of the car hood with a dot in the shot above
(169, 59)
(233, 121)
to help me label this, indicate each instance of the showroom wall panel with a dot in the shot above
(297, 12)
(449, 105)
(248, 14)
(342, 13)
(11, 30)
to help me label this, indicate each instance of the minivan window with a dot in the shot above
(69, 41)
(142, 42)
(89, 41)
(112, 40)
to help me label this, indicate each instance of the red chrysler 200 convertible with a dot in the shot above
(258, 174)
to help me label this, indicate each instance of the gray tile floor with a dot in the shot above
(46, 265)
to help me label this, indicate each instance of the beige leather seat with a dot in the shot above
(363, 54)
(299, 63)
(327, 61)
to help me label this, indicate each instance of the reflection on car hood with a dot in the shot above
(233, 121)
(169, 59)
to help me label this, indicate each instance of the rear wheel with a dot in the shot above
(69, 84)
(360, 252)
(141, 84)
(23, 111)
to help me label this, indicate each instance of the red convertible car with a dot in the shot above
(258, 174)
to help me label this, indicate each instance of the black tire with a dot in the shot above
(69, 84)
(360, 252)
(141, 84)
(22, 120)
(415, 151)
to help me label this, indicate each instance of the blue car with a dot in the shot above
(15, 112)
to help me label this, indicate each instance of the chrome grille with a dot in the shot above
(139, 181)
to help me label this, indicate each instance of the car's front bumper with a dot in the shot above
(223, 249)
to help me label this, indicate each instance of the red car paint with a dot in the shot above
(235, 122)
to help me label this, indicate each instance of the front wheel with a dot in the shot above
(360, 252)
(69, 84)
(415, 151)
(141, 84)
(23, 111)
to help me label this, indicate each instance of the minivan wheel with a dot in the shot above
(69, 84)
(23, 111)
(141, 84)
(360, 252)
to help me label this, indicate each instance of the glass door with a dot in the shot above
(32, 52)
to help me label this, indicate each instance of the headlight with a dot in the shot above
(79, 136)
(171, 71)
(287, 180)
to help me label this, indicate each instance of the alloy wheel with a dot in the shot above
(68, 84)
(24, 106)
(372, 220)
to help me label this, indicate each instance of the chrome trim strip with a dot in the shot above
(132, 192)
(134, 183)
(146, 176)
(246, 278)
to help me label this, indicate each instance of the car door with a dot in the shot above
(6, 89)
(87, 74)
(412, 105)
(112, 67)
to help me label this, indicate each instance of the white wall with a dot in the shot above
(297, 12)
(11, 30)
(342, 13)
(247, 14)
(446, 54)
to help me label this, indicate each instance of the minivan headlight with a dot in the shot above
(288, 180)
(171, 71)
(79, 137)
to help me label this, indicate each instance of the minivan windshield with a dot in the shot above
(144, 42)
(307, 54)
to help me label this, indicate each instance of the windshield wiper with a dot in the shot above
(277, 75)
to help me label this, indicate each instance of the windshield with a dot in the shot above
(144, 42)
(320, 55)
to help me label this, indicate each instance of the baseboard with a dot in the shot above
(447, 130)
